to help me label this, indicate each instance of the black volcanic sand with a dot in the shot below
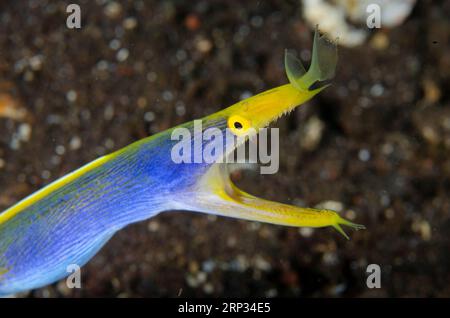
(375, 143)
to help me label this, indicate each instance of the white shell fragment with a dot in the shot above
(348, 20)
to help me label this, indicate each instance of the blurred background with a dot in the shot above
(374, 145)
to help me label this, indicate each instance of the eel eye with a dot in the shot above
(238, 125)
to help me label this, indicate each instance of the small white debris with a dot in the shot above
(180, 108)
(24, 132)
(14, 144)
(364, 155)
(46, 174)
(430, 134)
(115, 44)
(204, 45)
(350, 214)
(232, 240)
(271, 293)
(201, 276)
(423, 228)
(312, 133)
(113, 10)
(245, 95)
(239, 264)
(208, 266)
(102, 65)
(347, 20)
(254, 226)
(149, 117)
(152, 77)
(191, 281)
(36, 62)
(338, 289)
(153, 226)
(208, 288)
(108, 114)
(261, 264)
(194, 280)
(385, 200)
(129, 23)
(167, 96)
(109, 143)
(387, 149)
(122, 55)
(60, 150)
(389, 213)
(377, 90)
(71, 96)
(55, 160)
(330, 258)
(306, 231)
(75, 143)
(330, 205)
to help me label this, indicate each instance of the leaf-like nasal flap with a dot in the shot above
(321, 70)
(294, 67)
(324, 58)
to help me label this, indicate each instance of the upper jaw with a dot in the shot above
(266, 107)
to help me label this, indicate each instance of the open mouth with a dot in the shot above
(215, 191)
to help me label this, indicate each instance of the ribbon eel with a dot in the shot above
(68, 221)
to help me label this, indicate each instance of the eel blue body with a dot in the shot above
(73, 222)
